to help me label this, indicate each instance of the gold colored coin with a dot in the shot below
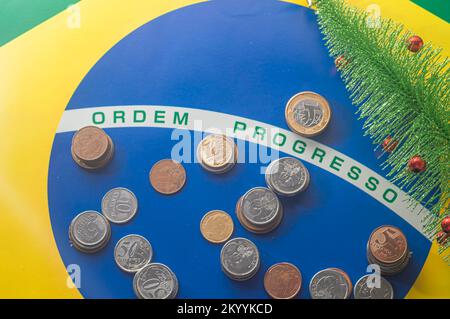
(307, 113)
(216, 226)
(217, 152)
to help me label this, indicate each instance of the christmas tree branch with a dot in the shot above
(401, 95)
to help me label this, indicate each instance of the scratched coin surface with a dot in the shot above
(155, 281)
(119, 205)
(216, 226)
(167, 176)
(370, 287)
(240, 259)
(217, 152)
(388, 244)
(307, 113)
(283, 281)
(330, 284)
(260, 206)
(132, 253)
(287, 176)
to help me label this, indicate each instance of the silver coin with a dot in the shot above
(132, 253)
(364, 289)
(240, 258)
(329, 284)
(287, 176)
(260, 206)
(308, 113)
(89, 229)
(155, 281)
(119, 205)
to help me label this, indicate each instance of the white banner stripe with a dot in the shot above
(209, 121)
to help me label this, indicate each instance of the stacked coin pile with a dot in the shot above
(89, 232)
(217, 153)
(388, 247)
(287, 176)
(155, 281)
(259, 210)
(132, 253)
(307, 113)
(240, 259)
(365, 289)
(283, 281)
(330, 283)
(92, 148)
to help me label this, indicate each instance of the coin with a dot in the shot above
(132, 253)
(155, 281)
(388, 244)
(366, 289)
(307, 113)
(91, 147)
(167, 176)
(260, 206)
(216, 226)
(217, 153)
(89, 231)
(257, 229)
(330, 284)
(119, 205)
(239, 259)
(287, 176)
(283, 281)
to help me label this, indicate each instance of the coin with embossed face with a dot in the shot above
(89, 231)
(216, 226)
(307, 113)
(92, 148)
(132, 253)
(330, 283)
(119, 205)
(240, 259)
(371, 287)
(260, 206)
(287, 176)
(155, 281)
(217, 153)
(283, 281)
(167, 176)
(388, 244)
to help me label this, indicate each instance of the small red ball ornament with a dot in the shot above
(389, 144)
(417, 164)
(445, 224)
(442, 238)
(415, 43)
(340, 62)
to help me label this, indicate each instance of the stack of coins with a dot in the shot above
(287, 176)
(92, 148)
(330, 283)
(119, 205)
(239, 259)
(364, 289)
(217, 153)
(132, 253)
(155, 281)
(283, 281)
(89, 232)
(167, 176)
(388, 248)
(259, 210)
(307, 113)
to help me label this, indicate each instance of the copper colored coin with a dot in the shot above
(90, 143)
(167, 176)
(388, 244)
(283, 281)
(216, 226)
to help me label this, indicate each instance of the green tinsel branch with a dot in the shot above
(400, 94)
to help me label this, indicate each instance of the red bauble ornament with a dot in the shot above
(445, 224)
(442, 238)
(389, 144)
(340, 62)
(415, 43)
(417, 164)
